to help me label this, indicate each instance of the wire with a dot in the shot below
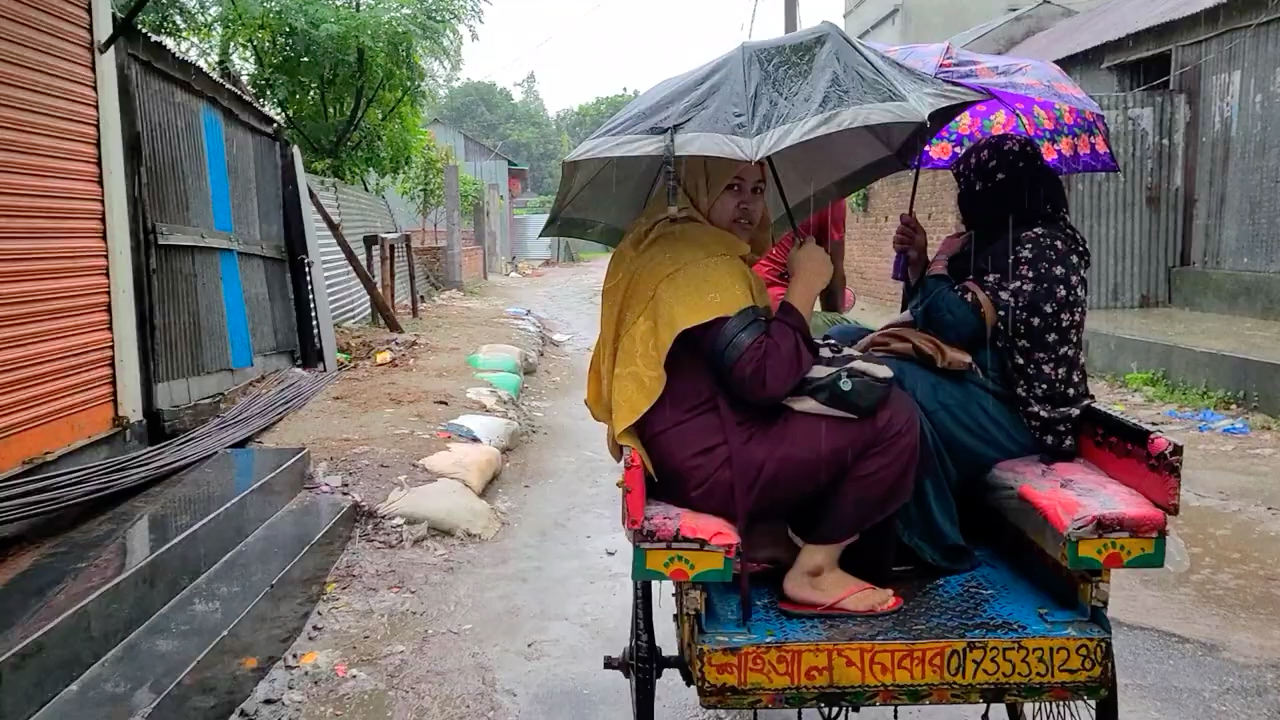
(277, 396)
(752, 30)
(1248, 30)
(546, 40)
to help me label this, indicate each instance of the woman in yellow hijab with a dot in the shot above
(675, 378)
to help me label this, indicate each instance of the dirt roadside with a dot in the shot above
(382, 642)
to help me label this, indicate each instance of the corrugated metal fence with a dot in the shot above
(1233, 78)
(1133, 221)
(358, 213)
(525, 242)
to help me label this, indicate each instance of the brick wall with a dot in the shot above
(436, 236)
(431, 259)
(869, 253)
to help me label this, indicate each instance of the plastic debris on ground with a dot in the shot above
(383, 357)
(495, 362)
(509, 383)
(1210, 421)
(472, 464)
(496, 432)
(518, 311)
(445, 505)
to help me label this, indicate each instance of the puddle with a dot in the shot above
(1230, 597)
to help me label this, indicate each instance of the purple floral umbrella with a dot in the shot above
(1032, 98)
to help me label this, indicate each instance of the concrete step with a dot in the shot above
(1222, 352)
(68, 601)
(202, 655)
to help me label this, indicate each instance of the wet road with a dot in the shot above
(550, 595)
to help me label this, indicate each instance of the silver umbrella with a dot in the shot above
(831, 114)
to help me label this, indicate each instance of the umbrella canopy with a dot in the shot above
(833, 114)
(1032, 98)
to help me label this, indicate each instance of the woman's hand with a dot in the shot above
(810, 269)
(912, 240)
(951, 245)
(810, 266)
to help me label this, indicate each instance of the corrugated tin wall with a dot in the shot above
(223, 309)
(364, 213)
(525, 243)
(1234, 82)
(56, 375)
(1133, 221)
(358, 213)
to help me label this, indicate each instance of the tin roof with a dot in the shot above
(977, 32)
(1106, 23)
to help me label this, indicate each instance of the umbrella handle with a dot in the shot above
(900, 260)
(791, 218)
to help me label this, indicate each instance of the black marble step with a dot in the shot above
(202, 655)
(67, 601)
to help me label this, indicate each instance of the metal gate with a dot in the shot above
(221, 310)
(57, 383)
(1133, 221)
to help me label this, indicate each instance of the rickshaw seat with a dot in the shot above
(653, 522)
(1107, 509)
(666, 523)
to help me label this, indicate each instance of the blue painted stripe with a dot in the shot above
(237, 315)
(215, 154)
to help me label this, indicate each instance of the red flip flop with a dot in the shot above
(830, 610)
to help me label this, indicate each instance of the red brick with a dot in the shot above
(869, 252)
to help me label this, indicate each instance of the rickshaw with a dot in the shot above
(1027, 630)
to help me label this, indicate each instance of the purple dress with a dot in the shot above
(729, 447)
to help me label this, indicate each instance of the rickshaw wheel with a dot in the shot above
(1108, 708)
(644, 655)
(641, 661)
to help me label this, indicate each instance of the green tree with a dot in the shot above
(422, 182)
(349, 78)
(578, 123)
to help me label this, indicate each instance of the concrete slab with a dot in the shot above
(1248, 294)
(1219, 351)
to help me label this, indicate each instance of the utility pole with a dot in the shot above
(793, 14)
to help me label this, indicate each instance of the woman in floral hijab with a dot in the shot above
(1010, 290)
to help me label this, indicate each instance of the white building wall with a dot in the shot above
(900, 22)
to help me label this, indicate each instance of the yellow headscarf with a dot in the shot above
(666, 276)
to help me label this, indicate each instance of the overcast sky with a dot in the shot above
(581, 49)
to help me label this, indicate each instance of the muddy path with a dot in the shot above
(516, 627)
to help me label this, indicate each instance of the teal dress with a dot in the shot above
(967, 420)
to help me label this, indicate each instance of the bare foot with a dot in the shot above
(821, 588)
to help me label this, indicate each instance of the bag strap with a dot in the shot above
(744, 328)
(988, 308)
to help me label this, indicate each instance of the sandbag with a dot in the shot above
(493, 399)
(528, 361)
(510, 383)
(492, 431)
(445, 505)
(471, 464)
(496, 362)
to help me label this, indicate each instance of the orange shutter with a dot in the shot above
(56, 375)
